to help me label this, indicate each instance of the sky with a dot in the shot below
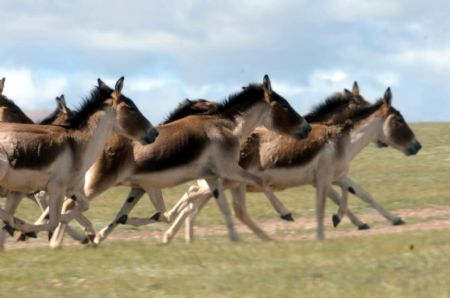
(171, 50)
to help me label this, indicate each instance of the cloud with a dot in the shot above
(28, 90)
(437, 59)
(210, 49)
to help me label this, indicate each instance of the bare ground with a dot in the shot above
(426, 219)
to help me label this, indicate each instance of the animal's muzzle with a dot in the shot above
(413, 148)
(150, 136)
(303, 132)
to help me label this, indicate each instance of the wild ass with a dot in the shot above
(112, 161)
(199, 146)
(55, 158)
(320, 160)
(11, 113)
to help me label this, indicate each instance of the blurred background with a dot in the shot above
(170, 50)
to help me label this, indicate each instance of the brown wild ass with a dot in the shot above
(11, 113)
(200, 146)
(55, 158)
(321, 159)
(112, 160)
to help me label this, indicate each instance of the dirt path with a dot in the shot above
(427, 219)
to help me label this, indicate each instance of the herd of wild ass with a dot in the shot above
(254, 141)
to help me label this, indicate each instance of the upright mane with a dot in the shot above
(236, 103)
(184, 109)
(90, 105)
(6, 102)
(332, 106)
(362, 112)
(50, 118)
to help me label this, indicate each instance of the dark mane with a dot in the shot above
(331, 106)
(363, 112)
(90, 105)
(184, 109)
(50, 118)
(6, 102)
(241, 101)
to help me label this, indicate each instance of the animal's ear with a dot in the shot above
(102, 85)
(355, 88)
(2, 84)
(119, 86)
(346, 91)
(387, 98)
(267, 87)
(62, 107)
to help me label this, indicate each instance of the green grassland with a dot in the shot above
(379, 265)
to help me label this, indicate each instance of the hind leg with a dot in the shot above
(122, 216)
(12, 202)
(218, 192)
(240, 209)
(334, 196)
(235, 173)
(358, 191)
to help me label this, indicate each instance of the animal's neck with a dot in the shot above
(365, 133)
(93, 137)
(247, 121)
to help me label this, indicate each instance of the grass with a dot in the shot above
(415, 264)
(382, 265)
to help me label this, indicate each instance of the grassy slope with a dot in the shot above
(355, 267)
(381, 265)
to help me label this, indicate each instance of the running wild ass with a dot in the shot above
(55, 158)
(198, 146)
(118, 150)
(10, 112)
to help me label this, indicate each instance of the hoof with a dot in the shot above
(30, 235)
(363, 227)
(398, 222)
(287, 217)
(50, 235)
(336, 220)
(91, 240)
(10, 230)
(123, 219)
(21, 238)
(156, 216)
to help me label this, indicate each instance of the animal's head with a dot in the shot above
(356, 101)
(395, 131)
(283, 118)
(9, 111)
(63, 112)
(129, 121)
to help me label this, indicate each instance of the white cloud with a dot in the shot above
(28, 89)
(348, 10)
(210, 48)
(437, 59)
(143, 84)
